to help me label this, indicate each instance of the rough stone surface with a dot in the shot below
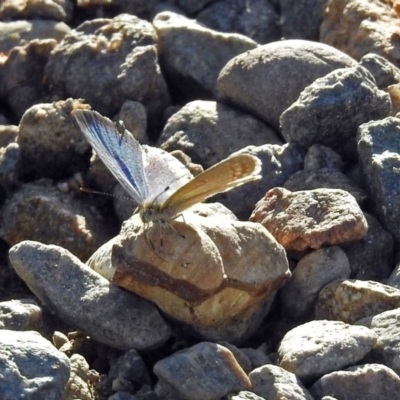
(331, 109)
(20, 315)
(320, 347)
(267, 80)
(351, 300)
(359, 27)
(379, 154)
(320, 157)
(312, 273)
(119, 57)
(257, 19)
(86, 300)
(209, 132)
(31, 367)
(39, 211)
(310, 219)
(206, 371)
(367, 382)
(273, 382)
(192, 56)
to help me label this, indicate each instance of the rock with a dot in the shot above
(34, 368)
(386, 326)
(119, 57)
(192, 56)
(350, 300)
(244, 395)
(23, 75)
(371, 257)
(384, 72)
(82, 383)
(20, 315)
(10, 164)
(311, 274)
(103, 311)
(310, 219)
(273, 382)
(378, 149)
(257, 19)
(8, 134)
(394, 278)
(51, 142)
(19, 33)
(215, 275)
(283, 68)
(316, 348)
(193, 7)
(324, 178)
(39, 211)
(367, 382)
(45, 9)
(129, 372)
(134, 116)
(209, 132)
(359, 27)
(330, 110)
(206, 371)
(301, 19)
(320, 157)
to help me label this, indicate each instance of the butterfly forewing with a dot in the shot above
(225, 175)
(122, 154)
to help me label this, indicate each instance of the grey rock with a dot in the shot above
(32, 367)
(384, 72)
(8, 132)
(86, 300)
(134, 116)
(23, 75)
(244, 395)
(301, 19)
(56, 10)
(267, 80)
(193, 7)
(119, 60)
(20, 315)
(19, 33)
(192, 56)
(129, 371)
(331, 109)
(367, 382)
(257, 19)
(51, 142)
(209, 132)
(379, 149)
(39, 211)
(272, 382)
(257, 357)
(278, 164)
(206, 371)
(10, 163)
(394, 278)
(387, 327)
(324, 178)
(352, 299)
(316, 348)
(310, 275)
(371, 258)
(319, 157)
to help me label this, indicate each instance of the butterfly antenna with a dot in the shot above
(92, 191)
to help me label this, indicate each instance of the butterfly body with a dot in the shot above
(160, 184)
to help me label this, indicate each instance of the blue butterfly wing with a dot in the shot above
(121, 153)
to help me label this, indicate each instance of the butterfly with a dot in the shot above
(162, 186)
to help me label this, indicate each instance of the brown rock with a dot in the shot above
(352, 299)
(358, 27)
(310, 219)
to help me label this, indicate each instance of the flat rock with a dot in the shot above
(86, 300)
(310, 219)
(316, 348)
